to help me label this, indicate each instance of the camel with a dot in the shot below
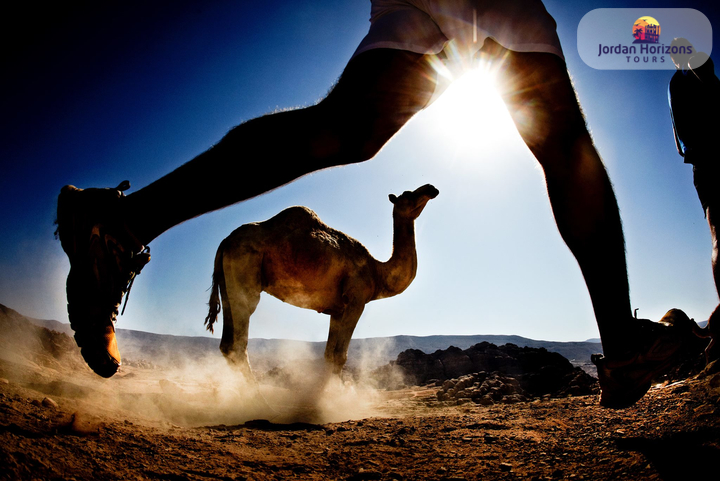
(297, 258)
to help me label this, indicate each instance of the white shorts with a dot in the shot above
(460, 27)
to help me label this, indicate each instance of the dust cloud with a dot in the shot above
(180, 385)
(209, 391)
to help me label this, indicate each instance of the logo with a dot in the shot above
(632, 39)
(646, 30)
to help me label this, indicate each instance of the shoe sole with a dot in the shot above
(628, 390)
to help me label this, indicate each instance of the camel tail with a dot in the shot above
(214, 302)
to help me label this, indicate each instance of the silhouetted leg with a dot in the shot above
(711, 215)
(379, 91)
(713, 350)
(539, 95)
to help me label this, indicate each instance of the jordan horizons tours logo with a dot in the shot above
(633, 39)
(646, 47)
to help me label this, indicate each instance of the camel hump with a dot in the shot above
(289, 220)
(303, 230)
(294, 217)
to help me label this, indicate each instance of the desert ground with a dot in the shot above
(199, 421)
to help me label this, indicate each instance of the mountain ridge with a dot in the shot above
(371, 352)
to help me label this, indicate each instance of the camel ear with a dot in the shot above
(392, 198)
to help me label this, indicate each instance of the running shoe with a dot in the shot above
(625, 381)
(104, 260)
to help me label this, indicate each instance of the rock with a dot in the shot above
(714, 384)
(705, 409)
(514, 399)
(482, 388)
(455, 362)
(49, 403)
(364, 474)
(526, 371)
(486, 400)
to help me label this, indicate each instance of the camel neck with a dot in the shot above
(399, 271)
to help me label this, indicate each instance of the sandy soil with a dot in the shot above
(157, 424)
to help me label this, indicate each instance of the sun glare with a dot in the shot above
(471, 115)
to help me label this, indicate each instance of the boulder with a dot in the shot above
(515, 371)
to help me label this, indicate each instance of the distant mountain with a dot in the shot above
(370, 352)
(574, 351)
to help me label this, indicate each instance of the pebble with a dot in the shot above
(364, 474)
(704, 409)
(49, 403)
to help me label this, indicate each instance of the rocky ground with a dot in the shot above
(59, 421)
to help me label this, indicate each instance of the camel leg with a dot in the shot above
(240, 294)
(341, 330)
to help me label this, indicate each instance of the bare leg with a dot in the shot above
(711, 218)
(377, 94)
(712, 351)
(542, 102)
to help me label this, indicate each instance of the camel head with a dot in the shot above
(411, 204)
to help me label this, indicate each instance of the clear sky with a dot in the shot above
(109, 91)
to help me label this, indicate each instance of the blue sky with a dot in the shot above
(121, 90)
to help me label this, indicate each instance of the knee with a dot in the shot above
(350, 135)
(338, 145)
(361, 146)
(235, 358)
(335, 366)
(233, 350)
(226, 348)
(566, 149)
(336, 359)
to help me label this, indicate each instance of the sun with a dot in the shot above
(471, 115)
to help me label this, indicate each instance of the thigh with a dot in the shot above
(540, 97)
(387, 83)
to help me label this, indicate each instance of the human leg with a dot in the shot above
(379, 91)
(713, 327)
(103, 232)
(544, 107)
(706, 174)
(712, 219)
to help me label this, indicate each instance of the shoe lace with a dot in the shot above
(140, 260)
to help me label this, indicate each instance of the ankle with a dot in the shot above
(624, 341)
